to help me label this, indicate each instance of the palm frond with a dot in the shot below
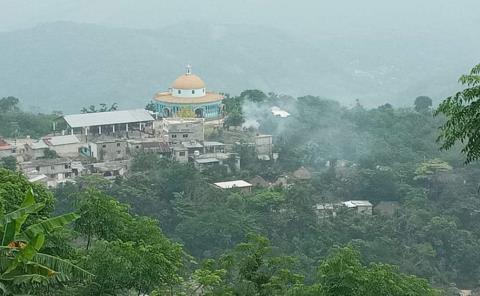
(48, 225)
(62, 266)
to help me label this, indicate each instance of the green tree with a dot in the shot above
(461, 111)
(13, 186)
(100, 216)
(342, 274)
(254, 95)
(9, 163)
(423, 103)
(9, 104)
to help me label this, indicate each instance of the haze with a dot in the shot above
(375, 51)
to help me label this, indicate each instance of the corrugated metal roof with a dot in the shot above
(107, 118)
(233, 184)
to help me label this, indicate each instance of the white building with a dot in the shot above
(113, 122)
(237, 184)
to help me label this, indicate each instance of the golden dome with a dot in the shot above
(188, 81)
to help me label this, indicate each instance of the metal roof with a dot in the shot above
(107, 118)
(233, 184)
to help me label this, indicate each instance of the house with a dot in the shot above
(361, 206)
(237, 184)
(213, 147)
(106, 149)
(325, 210)
(7, 149)
(264, 146)
(180, 154)
(148, 145)
(177, 130)
(57, 170)
(110, 169)
(64, 146)
(36, 150)
(203, 161)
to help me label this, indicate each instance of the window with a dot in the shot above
(52, 167)
(104, 146)
(137, 147)
(118, 144)
(181, 153)
(66, 166)
(185, 135)
(179, 91)
(174, 136)
(193, 91)
(119, 151)
(37, 168)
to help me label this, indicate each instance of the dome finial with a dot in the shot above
(189, 69)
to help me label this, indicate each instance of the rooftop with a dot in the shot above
(61, 140)
(233, 184)
(356, 203)
(108, 118)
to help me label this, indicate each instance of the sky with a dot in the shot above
(295, 16)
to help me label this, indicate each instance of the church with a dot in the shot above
(188, 92)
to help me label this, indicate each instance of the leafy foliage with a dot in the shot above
(462, 111)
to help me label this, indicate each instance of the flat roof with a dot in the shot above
(61, 140)
(233, 184)
(212, 143)
(356, 203)
(206, 160)
(108, 118)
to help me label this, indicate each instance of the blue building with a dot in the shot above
(189, 92)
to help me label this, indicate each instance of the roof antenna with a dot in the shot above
(189, 70)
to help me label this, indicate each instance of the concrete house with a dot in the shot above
(107, 149)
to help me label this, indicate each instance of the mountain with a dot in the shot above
(66, 65)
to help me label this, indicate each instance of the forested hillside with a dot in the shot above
(67, 66)
(163, 229)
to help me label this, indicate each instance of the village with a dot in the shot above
(181, 127)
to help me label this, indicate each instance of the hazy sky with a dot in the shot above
(300, 15)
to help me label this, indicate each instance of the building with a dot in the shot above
(106, 123)
(36, 149)
(325, 210)
(7, 149)
(264, 146)
(179, 130)
(360, 206)
(64, 146)
(110, 169)
(188, 92)
(148, 145)
(238, 184)
(206, 160)
(106, 149)
(56, 170)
